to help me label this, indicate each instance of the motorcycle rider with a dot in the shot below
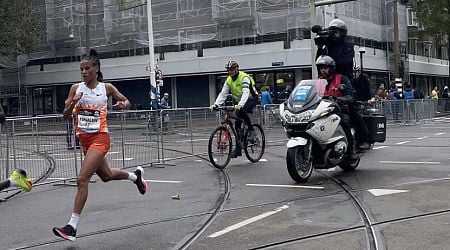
(339, 89)
(338, 48)
(242, 88)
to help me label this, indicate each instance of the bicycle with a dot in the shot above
(220, 141)
(154, 122)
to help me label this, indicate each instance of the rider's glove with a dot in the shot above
(237, 107)
(213, 107)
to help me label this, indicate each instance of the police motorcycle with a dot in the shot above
(316, 138)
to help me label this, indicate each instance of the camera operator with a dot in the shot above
(332, 42)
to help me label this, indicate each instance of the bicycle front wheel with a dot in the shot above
(219, 147)
(254, 145)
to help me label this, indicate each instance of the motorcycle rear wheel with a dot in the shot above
(298, 168)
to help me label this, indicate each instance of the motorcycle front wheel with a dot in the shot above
(298, 167)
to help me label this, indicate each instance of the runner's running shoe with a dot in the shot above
(20, 177)
(67, 232)
(140, 182)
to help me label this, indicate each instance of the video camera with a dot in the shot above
(323, 36)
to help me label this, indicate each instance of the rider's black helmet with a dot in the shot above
(325, 60)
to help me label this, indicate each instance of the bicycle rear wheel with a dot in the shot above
(219, 147)
(254, 147)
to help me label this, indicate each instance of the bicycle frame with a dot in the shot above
(228, 125)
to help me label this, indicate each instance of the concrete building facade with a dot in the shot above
(193, 40)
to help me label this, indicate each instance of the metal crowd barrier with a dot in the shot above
(47, 148)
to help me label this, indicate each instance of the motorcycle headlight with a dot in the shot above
(297, 118)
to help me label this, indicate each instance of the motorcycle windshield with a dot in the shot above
(306, 94)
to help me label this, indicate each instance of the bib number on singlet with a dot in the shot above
(89, 120)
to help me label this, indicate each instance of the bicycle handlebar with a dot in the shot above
(225, 108)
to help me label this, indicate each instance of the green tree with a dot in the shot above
(434, 16)
(18, 28)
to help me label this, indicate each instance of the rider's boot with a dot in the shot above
(351, 153)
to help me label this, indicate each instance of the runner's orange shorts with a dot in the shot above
(99, 142)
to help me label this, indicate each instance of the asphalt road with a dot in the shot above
(397, 199)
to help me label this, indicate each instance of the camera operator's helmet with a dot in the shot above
(232, 64)
(339, 25)
(326, 61)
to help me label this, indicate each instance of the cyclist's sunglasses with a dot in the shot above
(230, 69)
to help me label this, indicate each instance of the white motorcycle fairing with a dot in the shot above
(325, 130)
(296, 141)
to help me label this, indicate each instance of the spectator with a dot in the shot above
(164, 104)
(285, 94)
(445, 93)
(381, 94)
(409, 92)
(266, 99)
(435, 93)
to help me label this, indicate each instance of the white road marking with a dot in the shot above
(161, 181)
(380, 147)
(125, 159)
(288, 186)
(402, 142)
(193, 140)
(246, 222)
(264, 160)
(423, 137)
(411, 162)
(24, 159)
(439, 134)
(381, 192)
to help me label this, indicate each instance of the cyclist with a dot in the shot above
(339, 87)
(242, 88)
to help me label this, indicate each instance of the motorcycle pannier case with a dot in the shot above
(377, 127)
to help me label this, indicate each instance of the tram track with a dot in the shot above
(374, 238)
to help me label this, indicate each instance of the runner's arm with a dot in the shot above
(71, 101)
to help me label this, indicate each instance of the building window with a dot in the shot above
(411, 18)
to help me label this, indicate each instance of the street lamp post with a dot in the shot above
(151, 53)
(88, 23)
(361, 50)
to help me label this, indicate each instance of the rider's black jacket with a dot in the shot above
(342, 52)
